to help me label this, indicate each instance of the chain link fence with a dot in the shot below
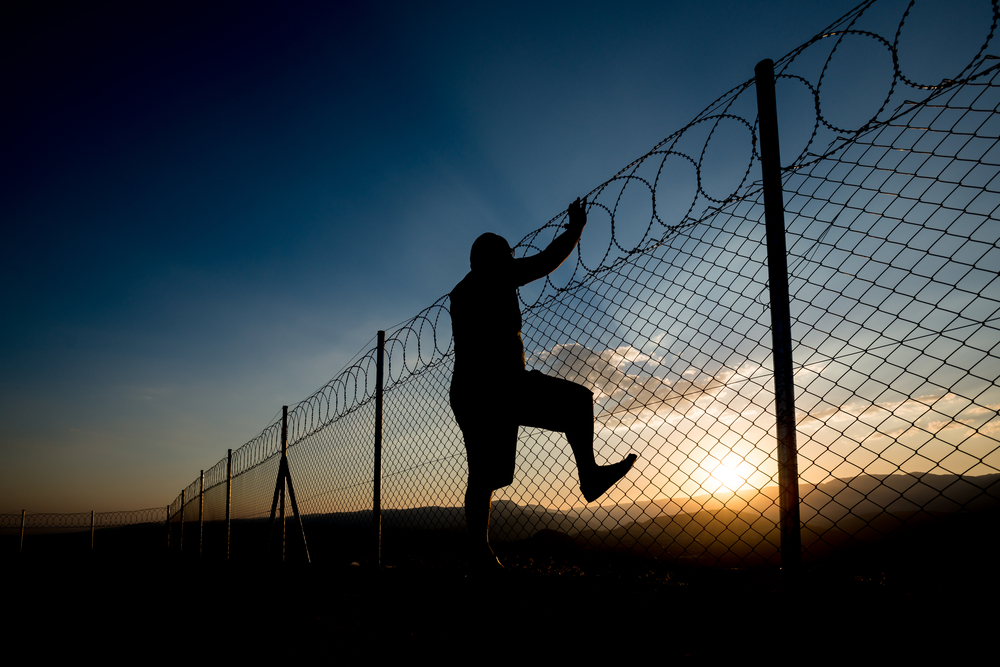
(136, 533)
(891, 176)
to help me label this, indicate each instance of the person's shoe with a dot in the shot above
(604, 477)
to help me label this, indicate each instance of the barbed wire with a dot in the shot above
(82, 520)
(892, 246)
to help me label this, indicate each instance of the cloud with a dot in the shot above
(635, 386)
(931, 413)
(625, 380)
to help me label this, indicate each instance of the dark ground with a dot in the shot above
(556, 602)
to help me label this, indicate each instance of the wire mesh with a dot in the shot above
(891, 193)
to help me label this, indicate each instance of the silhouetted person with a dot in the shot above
(492, 393)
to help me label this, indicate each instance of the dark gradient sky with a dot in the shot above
(209, 207)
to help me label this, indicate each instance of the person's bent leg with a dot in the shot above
(580, 436)
(602, 478)
(595, 480)
(556, 404)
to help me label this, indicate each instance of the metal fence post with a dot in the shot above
(781, 327)
(181, 545)
(229, 496)
(377, 500)
(285, 478)
(281, 478)
(284, 456)
(91, 530)
(20, 547)
(201, 513)
(168, 527)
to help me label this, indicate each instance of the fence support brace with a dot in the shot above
(285, 476)
(377, 500)
(781, 327)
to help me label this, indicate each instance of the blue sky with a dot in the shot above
(210, 207)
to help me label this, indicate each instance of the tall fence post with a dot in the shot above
(781, 327)
(91, 530)
(20, 548)
(201, 513)
(229, 496)
(377, 500)
(168, 527)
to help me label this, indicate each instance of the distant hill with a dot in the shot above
(829, 502)
(874, 494)
(739, 529)
(734, 529)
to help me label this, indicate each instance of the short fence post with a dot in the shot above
(181, 546)
(91, 530)
(229, 496)
(781, 326)
(20, 547)
(377, 500)
(201, 513)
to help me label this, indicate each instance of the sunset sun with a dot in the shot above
(726, 477)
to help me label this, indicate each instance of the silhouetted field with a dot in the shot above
(917, 595)
(917, 583)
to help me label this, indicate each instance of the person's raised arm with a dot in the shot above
(527, 269)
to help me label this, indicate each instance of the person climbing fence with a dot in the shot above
(492, 393)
